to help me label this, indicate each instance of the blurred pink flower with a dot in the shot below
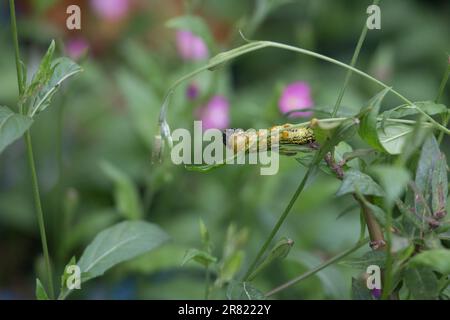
(376, 293)
(76, 47)
(215, 114)
(192, 91)
(295, 96)
(190, 46)
(111, 9)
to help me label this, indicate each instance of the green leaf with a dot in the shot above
(430, 168)
(393, 179)
(64, 276)
(368, 127)
(202, 257)
(194, 24)
(356, 181)
(41, 294)
(12, 126)
(119, 243)
(439, 187)
(278, 252)
(421, 282)
(125, 193)
(360, 291)
(204, 234)
(243, 291)
(394, 136)
(369, 258)
(230, 267)
(437, 259)
(429, 107)
(63, 69)
(42, 75)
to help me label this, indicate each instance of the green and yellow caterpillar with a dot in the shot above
(286, 139)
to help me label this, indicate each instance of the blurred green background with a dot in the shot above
(109, 114)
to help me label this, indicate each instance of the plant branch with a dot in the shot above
(31, 164)
(362, 37)
(279, 223)
(315, 270)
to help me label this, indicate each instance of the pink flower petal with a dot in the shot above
(190, 46)
(215, 114)
(111, 9)
(76, 48)
(296, 96)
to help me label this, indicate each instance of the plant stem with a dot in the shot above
(12, 10)
(39, 212)
(257, 45)
(207, 282)
(362, 37)
(313, 271)
(389, 259)
(278, 224)
(35, 185)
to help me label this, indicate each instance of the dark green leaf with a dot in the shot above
(421, 282)
(243, 291)
(360, 291)
(369, 258)
(355, 180)
(428, 107)
(437, 259)
(12, 126)
(439, 187)
(368, 127)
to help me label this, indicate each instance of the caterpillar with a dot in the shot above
(284, 138)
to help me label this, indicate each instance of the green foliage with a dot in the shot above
(126, 195)
(202, 257)
(119, 243)
(41, 294)
(356, 181)
(12, 126)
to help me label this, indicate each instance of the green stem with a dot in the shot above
(39, 212)
(278, 224)
(12, 10)
(362, 37)
(257, 45)
(313, 271)
(207, 282)
(387, 285)
(35, 185)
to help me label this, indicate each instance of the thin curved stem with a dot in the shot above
(257, 45)
(315, 270)
(362, 37)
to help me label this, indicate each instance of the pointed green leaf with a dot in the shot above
(41, 294)
(119, 243)
(355, 180)
(199, 256)
(125, 192)
(429, 107)
(393, 179)
(368, 127)
(63, 69)
(394, 136)
(12, 126)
